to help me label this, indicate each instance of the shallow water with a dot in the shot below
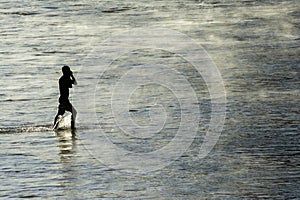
(255, 46)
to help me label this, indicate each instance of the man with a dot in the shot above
(66, 82)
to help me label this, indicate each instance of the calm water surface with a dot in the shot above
(256, 48)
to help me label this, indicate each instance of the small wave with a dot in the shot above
(116, 10)
(25, 99)
(22, 13)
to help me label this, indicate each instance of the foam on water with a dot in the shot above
(26, 129)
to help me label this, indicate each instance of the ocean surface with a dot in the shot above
(176, 99)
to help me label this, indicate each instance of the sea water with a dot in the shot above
(144, 110)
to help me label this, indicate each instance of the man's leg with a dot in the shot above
(74, 113)
(71, 109)
(60, 111)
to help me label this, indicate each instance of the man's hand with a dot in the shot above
(73, 78)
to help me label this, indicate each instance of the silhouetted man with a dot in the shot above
(66, 82)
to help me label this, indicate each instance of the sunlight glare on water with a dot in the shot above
(253, 44)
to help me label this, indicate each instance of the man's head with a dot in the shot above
(66, 70)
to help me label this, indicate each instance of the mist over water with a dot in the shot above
(255, 46)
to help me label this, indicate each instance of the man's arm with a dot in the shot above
(73, 79)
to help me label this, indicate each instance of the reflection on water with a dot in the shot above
(67, 144)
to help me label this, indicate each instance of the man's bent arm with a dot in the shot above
(73, 79)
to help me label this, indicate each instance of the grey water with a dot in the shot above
(253, 44)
